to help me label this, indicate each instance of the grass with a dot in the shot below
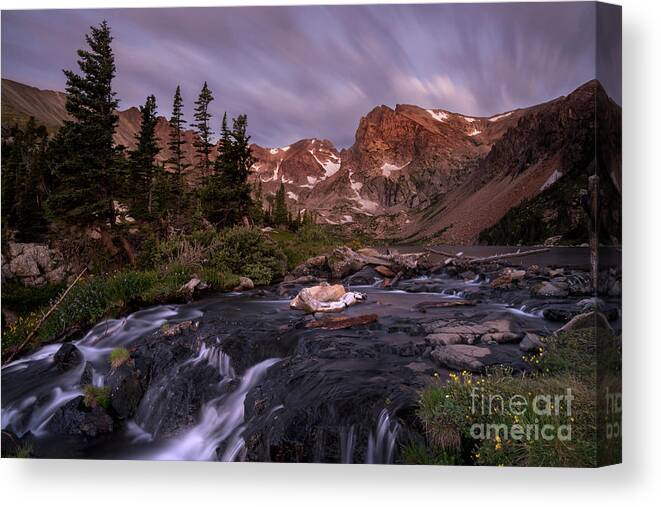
(497, 419)
(119, 357)
(99, 297)
(96, 396)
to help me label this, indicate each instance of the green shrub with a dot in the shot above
(22, 299)
(243, 250)
(118, 357)
(96, 396)
(309, 241)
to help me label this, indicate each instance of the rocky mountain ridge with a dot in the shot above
(416, 174)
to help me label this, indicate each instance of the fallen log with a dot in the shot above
(498, 257)
(490, 258)
(341, 322)
(57, 303)
(426, 305)
(459, 255)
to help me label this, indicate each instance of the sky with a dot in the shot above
(314, 71)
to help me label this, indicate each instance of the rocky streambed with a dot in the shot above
(242, 376)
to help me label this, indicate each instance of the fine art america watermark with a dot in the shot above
(539, 414)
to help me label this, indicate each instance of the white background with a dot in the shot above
(637, 482)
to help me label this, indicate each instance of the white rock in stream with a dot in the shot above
(325, 298)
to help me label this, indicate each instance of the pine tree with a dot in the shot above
(176, 143)
(143, 158)
(83, 151)
(24, 180)
(280, 212)
(226, 196)
(202, 126)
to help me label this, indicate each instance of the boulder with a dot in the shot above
(342, 322)
(558, 314)
(325, 298)
(366, 276)
(24, 266)
(461, 357)
(548, 289)
(531, 343)
(344, 262)
(245, 283)
(492, 331)
(33, 264)
(189, 287)
(67, 357)
(126, 390)
(590, 320)
(75, 418)
(316, 266)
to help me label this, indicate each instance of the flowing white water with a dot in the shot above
(347, 443)
(381, 442)
(38, 389)
(220, 423)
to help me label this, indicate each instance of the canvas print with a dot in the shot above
(374, 234)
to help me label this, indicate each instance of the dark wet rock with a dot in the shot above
(87, 376)
(475, 358)
(531, 343)
(590, 320)
(444, 332)
(75, 418)
(316, 266)
(559, 314)
(424, 306)
(126, 390)
(328, 404)
(68, 356)
(366, 276)
(342, 322)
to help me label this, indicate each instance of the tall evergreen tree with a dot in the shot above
(143, 158)
(280, 212)
(176, 143)
(226, 196)
(83, 150)
(24, 180)
(202, 126)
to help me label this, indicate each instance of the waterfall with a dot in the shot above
(381, 442)
(37, 389)
(220, 423)
(347, 443)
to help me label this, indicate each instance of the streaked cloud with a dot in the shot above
(315, 70)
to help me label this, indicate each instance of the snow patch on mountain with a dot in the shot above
(474, 132)
(387, 168)
(438, 115)
(500, 116)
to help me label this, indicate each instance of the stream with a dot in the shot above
(249, 381)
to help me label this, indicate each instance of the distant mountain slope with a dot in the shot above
(20, 101)
(416, 174)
